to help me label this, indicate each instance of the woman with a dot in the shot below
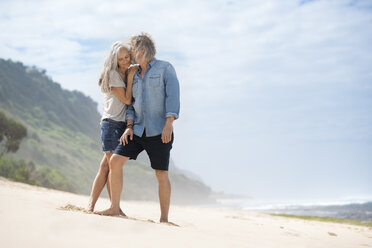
(116, 83)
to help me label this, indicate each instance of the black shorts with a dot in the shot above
(158, 151)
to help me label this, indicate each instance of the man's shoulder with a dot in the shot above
(161, 63)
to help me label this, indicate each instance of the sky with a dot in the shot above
(276, 96)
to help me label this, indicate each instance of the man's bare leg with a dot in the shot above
(100, 181)
(164, 193)
(109, 193)
(116, 181)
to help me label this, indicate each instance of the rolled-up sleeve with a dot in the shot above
(129, 113)
(172, 93)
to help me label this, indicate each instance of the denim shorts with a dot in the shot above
(158, 151)
(111, 132)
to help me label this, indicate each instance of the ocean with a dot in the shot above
(342, 209)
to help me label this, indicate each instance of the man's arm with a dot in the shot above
(129, 113)
(172, 93)
(172, 102)
(129, 116)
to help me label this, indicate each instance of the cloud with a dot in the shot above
(260, 80)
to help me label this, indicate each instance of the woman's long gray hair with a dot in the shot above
(111, 63)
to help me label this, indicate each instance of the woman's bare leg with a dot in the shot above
(100, 181)
(116, 179)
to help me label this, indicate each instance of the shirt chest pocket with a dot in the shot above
(154, 80)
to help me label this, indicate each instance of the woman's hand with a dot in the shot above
(124, 138)
(132, 71)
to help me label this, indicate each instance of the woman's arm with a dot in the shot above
(125, 95)
(121, 94)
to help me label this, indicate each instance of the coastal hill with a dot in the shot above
(63, 135)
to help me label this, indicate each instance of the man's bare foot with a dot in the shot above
(165, 221)
(168, 223)
(109, 212)
(122, 213)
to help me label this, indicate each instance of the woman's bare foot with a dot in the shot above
(90, 207)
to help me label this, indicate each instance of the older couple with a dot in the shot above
(140, 105)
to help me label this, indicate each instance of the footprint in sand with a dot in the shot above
(293, 234)
(332, 234)
(70, 207)
(238, 217)
(133, 218)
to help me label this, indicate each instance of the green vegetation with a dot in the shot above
(29, 94)
(20, 171)
(329, 219)
(63, 139)
(11, 134)
(51, 178)
(63, 125)
(17, 170)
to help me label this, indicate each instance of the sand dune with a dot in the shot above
(38, 217)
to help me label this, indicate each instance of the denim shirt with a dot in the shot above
(156, 96)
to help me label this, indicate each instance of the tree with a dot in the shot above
(11, 134)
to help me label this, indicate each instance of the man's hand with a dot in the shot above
(166, 135)
(124, 138)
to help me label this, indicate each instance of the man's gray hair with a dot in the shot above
(145, 41)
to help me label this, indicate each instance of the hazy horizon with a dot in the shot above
(276, 98)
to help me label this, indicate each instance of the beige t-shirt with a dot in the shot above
(113, 108)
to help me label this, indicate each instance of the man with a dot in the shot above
(150, 117)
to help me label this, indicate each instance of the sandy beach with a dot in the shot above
(32, 217)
